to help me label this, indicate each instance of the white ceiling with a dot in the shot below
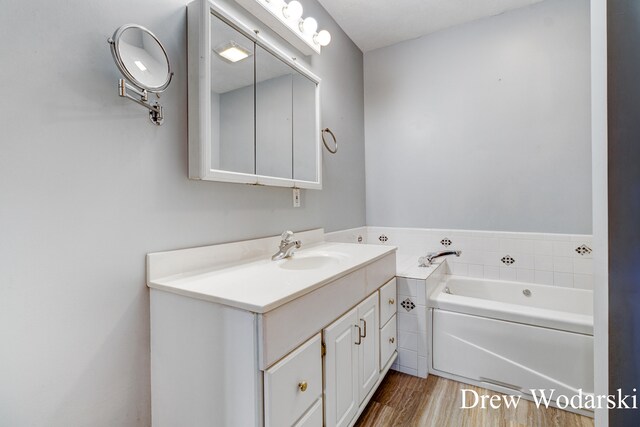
(377, 23)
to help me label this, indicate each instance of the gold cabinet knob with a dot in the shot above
(392, 340)
(303, 386)
(392, 301)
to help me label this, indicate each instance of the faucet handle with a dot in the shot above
(287, 236)
(424, 261)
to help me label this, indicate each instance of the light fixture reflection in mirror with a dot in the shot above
(233, 52)
(144, 63)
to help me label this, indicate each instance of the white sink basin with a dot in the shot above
(309, 261)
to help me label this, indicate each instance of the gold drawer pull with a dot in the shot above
(392, 340)
(392, 301)
(303, 386)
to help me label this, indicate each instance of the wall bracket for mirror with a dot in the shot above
(333, 150)
(144, 63)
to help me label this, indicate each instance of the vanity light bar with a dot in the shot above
(286, 19)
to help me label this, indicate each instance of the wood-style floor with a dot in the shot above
(405, 400)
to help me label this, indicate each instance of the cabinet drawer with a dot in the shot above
(293, 385)
(387, 301)
(388, 341)
(313, 417)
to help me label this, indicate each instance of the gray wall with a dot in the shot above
(623, 32)
(88, 186)
(484, 126)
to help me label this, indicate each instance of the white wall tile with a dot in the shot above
(543, 247)
(543, 262)
(476, 270)
(563, 248)
(526, 246)
(508, 273)
(537, 256)
(470, 257)
(406, 287)
(407, 322)
(525, 275)
(491, 272)
(459, 268)
(508, 245)
(583, 266)
(491, 244)
(422, 330)
(585, 256)
(524, 260)
(562, 264)
(458, 242)
(408, 359)
(563, 279)
(421, 287)
(408, 340)
(583, 281)
(543, 277)
(493, 258)
(475, 244)
(422, 367)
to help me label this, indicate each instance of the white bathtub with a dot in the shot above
(493, 335)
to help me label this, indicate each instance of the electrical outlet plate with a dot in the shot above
(296, 197)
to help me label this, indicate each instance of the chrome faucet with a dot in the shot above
(427, 260)
(287, 246)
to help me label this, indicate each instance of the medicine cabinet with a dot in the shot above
(253, 111)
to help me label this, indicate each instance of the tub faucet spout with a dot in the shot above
(427, 260)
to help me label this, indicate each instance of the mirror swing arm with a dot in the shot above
(156, 114)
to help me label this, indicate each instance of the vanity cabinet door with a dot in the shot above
(369, 349)
(342, 339)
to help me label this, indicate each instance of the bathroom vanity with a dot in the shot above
(240, 340)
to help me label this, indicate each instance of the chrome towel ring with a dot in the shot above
(335, 141)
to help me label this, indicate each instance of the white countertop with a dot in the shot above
(260, 285)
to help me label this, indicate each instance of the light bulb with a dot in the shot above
(293, 10)
(323, 38)
(309, 26)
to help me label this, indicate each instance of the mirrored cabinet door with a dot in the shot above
(274, 116)
(305, 149)
(232, 99)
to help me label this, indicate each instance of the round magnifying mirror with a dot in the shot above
(141, 58)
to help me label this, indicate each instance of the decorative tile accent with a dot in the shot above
(408, 304)
(584, 249)
(446, 242)
(507, 260)
(383, 238)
